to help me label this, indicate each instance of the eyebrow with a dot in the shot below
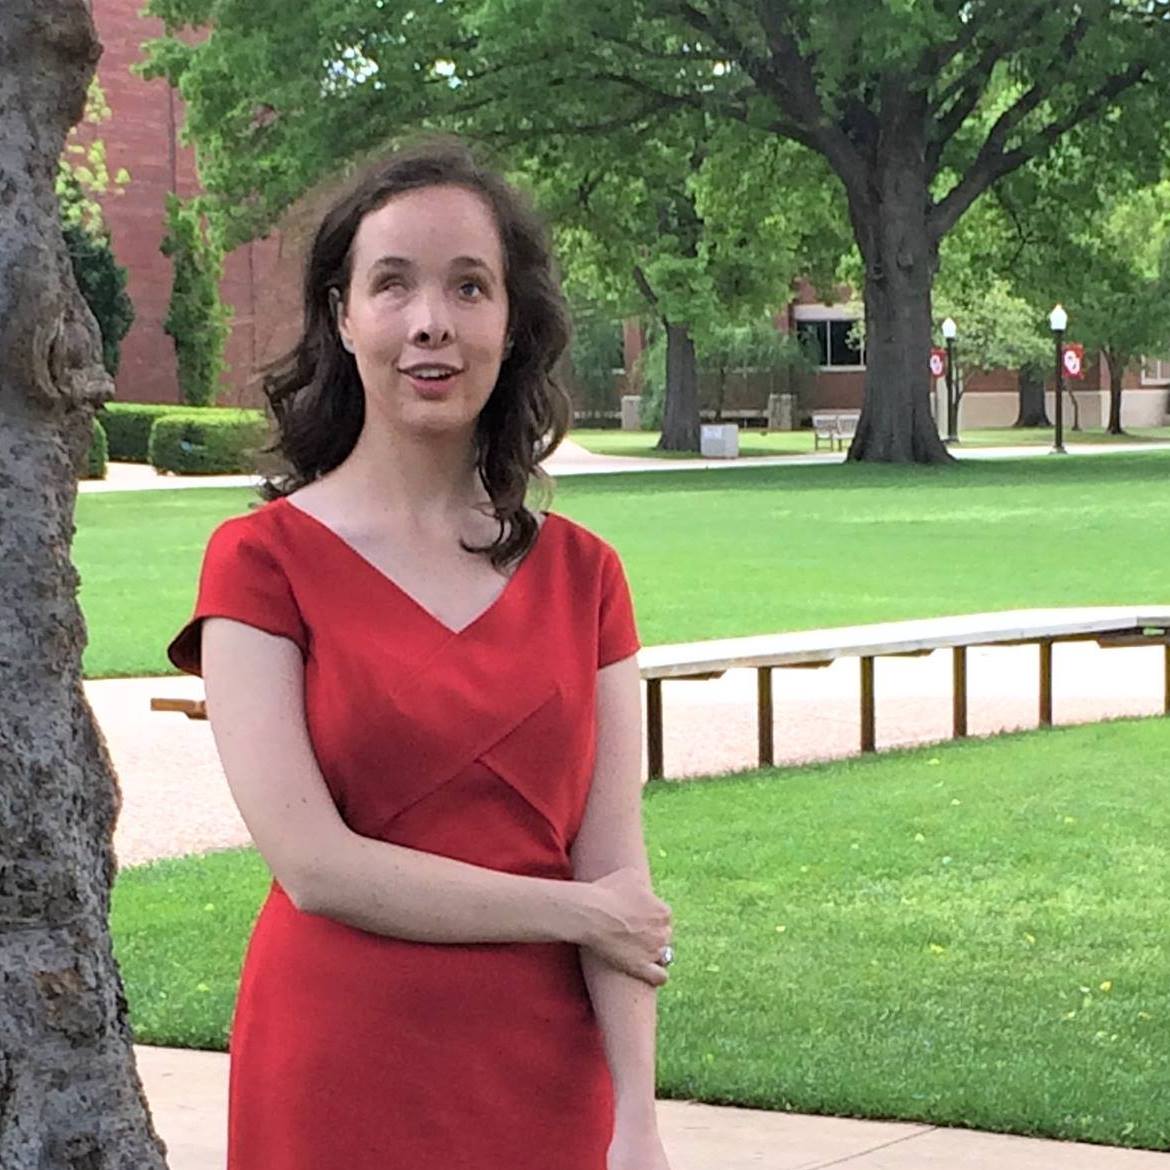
(402, 262)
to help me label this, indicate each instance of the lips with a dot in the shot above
(432, 387)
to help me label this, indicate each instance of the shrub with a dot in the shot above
(197, 320)
(99, 449)
(128, 426)
(208, 442)
(102, 282)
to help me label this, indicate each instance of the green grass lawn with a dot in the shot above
(973, 934)
(725, 553)
(754, 443)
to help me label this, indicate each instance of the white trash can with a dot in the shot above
(719, 441)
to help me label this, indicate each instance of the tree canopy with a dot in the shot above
(917, 108)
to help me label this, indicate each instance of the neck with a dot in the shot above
(426, 480)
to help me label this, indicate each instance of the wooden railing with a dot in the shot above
(811, 649)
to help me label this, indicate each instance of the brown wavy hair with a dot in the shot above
(316, 394)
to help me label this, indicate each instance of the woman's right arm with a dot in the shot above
(255, 701)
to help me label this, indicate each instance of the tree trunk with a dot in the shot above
(70, 1098)
(901, 259)
(680, 412)
(1118, 364)
(1033, 411)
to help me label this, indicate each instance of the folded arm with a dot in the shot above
(255, 702)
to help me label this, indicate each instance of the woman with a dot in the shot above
(425, 698)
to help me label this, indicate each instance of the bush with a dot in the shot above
(102, 282)
(197, 320)
(99, 451)
(208, 441)
(128, 426)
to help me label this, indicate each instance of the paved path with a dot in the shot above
(709, 727)
(572, 459)
(187, 1091)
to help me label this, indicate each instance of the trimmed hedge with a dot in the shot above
(99, 451)
(211, 441)
(128, 427)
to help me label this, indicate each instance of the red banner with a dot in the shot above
(1074, 360)
(938, 362)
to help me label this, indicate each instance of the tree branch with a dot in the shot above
(645, 289)
(654, 55)
(512, 134)
(794, 88)
(993, 162)
(966, 90)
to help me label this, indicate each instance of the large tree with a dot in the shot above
(69, 1094)
(1110, 266)
(917, 107)
(682, 222)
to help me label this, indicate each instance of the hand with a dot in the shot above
(639, 1149)
(630, 925)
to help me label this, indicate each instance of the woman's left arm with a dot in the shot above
(611, 838)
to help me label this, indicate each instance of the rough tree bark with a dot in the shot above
(70, 1098)
(680, 412)
(1033, 411)
(900, 250)
(680, 407)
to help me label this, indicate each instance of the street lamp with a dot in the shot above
(1058, 321)
(950, 330)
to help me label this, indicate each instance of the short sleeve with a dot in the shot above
(242, 580)
(617, 631)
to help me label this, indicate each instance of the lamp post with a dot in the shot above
(950, 330)
(1058, 321)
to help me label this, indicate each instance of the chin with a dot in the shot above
(433, 420)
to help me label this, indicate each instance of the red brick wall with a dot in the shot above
(260, 280)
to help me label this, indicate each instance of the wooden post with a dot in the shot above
(959, 697)
(868, 721)
(1166, 703)
(764, 715)
(1046, 684)
(654, 727)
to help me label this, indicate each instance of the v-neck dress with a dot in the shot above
(357, 1051)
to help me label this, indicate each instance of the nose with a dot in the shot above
(431, 324)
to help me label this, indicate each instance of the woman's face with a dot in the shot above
(426, 312)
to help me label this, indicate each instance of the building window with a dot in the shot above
(832, 344)
(1155, 371)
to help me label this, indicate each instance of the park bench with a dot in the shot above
(810, 649)
(834, 428)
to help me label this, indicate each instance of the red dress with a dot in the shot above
(357, 1051)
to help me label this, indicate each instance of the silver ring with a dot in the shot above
(666, 956)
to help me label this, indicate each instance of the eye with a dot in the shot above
(389, 281)
(472, 287)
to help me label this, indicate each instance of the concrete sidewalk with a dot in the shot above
(187, 1092)
(571, 459)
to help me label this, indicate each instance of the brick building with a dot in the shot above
(262, 279)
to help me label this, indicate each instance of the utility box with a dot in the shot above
(781, 412)
(719, 441)
(631, 412)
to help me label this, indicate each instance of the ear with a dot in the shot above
(338, 313)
